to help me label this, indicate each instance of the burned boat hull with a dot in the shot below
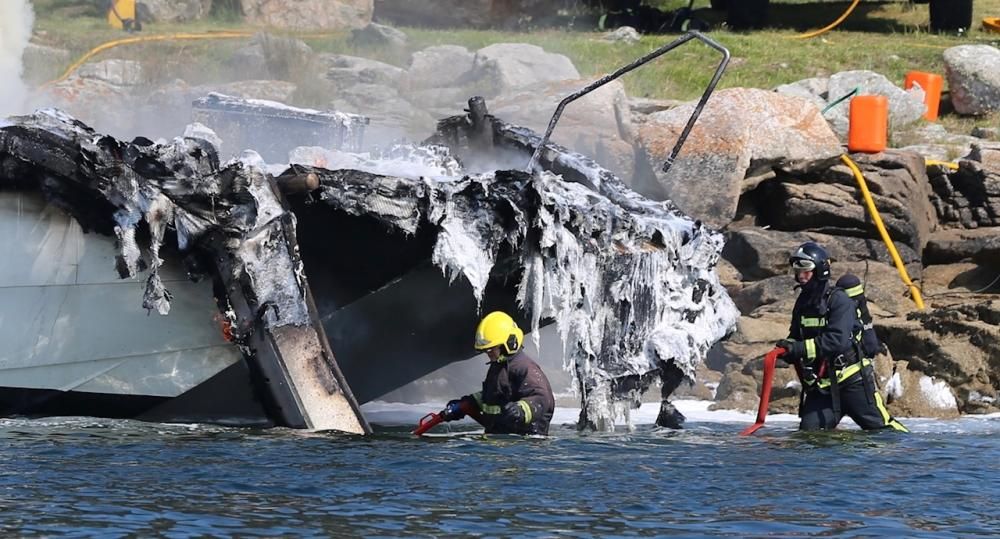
(76, 342)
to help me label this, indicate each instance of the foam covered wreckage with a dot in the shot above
(326, 255)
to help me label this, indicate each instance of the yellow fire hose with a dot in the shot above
(141, 39)
(914, 291)
(944, 164)
(831, 26)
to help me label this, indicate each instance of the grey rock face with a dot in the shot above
(973, 73)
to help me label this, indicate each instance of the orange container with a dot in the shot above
(932, 85)
(869, 129)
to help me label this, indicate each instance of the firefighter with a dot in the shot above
(516, 396)
(824, 345)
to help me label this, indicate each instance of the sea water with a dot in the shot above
(110, 478)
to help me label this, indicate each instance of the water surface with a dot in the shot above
(87, 476)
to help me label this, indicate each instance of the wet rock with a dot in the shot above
(956, 343)
(177, 10)
(973, 73)
(741, 132)
(308, 14)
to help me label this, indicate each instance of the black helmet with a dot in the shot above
(811, 257)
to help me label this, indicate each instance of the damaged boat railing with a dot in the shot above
(625, 69)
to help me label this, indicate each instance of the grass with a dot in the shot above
(887, 37)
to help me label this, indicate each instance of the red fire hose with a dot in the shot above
(765, 391)
(432, 419)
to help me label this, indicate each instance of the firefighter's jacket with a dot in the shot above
(827, 325)
(516, 397)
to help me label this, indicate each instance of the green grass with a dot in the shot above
(887, 37)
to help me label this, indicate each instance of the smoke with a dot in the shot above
(16, 19)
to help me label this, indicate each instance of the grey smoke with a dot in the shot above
(16, 20)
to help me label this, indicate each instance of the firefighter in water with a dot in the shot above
(824, 344)
(516, 396)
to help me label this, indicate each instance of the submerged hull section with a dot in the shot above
(76, 341)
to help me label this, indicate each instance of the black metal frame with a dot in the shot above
(693, 34)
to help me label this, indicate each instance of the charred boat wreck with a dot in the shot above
(319, 289)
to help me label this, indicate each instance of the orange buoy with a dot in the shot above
(931, 85)
(869, 127)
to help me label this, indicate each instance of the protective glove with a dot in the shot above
(453, 410)
(794, 350)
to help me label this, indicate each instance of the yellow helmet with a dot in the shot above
(499, 329)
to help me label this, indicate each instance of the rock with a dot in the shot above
(117, 72)
(815, 89)
(89, 100)
(270, 90)
(905, 106)
(970, 196)
(597, 125)
(973, 73)
(764, 292)
(505, 67)
(741, 131)
(955, 343)
(645, 106)
(953, 245)
(378, 35)
(761, 253)
(201, 131)
(268, 56)
(177, 10)
(392, 118)
(309, 14)
(441, 66)
(459, 13)
(934, 142)
(622, 34)
(988, 133)
(345, 71)
(830, 200)
(960, 278)
(42, 63)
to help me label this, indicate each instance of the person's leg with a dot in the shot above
(816, 412)
(862, 401)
